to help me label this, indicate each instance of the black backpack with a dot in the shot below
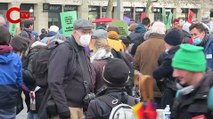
(40, 64)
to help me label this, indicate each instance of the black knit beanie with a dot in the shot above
(174, 37)
(116, 73)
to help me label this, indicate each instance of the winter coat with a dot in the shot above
(186, 36)
(100, 109)
(164, 71)
(195, 103)
(137, 37)
(11, 79)
(207, 44)
(208, 51)
(146, 57)
(65, 75)
(27, 33)
(97, 68)
(29, 79)
(99, 59)
(52, 36)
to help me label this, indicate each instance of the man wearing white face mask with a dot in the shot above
(69, 78)
(200, 38)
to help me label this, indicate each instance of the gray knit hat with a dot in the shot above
(99, 34)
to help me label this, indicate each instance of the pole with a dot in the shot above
(118, 9)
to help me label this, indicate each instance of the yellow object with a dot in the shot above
(116, 44)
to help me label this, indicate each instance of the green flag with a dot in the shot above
(164, 16)
(12, 29)
(67, 21)
(122, 27)
(169, 22)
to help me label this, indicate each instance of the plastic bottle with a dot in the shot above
(167, 113)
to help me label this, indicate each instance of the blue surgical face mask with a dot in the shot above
(196, 41)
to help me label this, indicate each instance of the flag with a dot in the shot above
(150, 112)
(190, 16)
(143, 15)
(164, 16)
(169, 21)
(139, 110)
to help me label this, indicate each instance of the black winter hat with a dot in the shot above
(174, 37)
(115, 73)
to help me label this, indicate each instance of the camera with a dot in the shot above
(88, 98)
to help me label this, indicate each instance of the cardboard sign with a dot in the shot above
(122, 26)
(67, 21)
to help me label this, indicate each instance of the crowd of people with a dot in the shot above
(87, 74)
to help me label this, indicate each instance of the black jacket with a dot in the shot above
(100, 108)
(195, 103)
(165, 69)
(186, 36)
(65, 76)
(29, 80)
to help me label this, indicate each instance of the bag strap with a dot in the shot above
(82, 59)
(112, 101)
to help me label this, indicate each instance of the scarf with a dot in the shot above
(5, 49)
(101, 54)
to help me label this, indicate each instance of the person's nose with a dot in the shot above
(175, 73)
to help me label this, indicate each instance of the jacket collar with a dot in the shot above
(200, 92)
(156, 35)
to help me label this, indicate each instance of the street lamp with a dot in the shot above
(31, 10)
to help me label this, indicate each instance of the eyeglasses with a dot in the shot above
(84, 31)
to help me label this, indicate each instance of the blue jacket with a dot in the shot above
(10, 79)
(208, 50)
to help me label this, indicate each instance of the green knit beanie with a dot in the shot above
(190, 58)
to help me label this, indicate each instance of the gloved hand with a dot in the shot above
(64, 115)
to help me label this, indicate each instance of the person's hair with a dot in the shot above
(20, 44)
(199, 26)
(146, 21)
(158, 27)
(101, 44)
(27, 23)
(4, 35)
(43, 30)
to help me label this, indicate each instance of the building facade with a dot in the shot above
(47, 12)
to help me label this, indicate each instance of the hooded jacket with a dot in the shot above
(136, 37)
(114, 41)
(11, 79)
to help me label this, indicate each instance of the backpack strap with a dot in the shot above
(81, 56)
(112, 101)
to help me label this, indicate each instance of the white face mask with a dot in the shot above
(85, 40)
